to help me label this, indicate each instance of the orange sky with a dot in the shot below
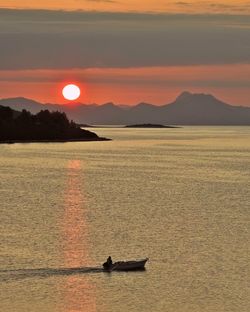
(157, 85)
(190, 6)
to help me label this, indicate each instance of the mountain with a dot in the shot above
(20, 103)
(187, 109)
(205, 109)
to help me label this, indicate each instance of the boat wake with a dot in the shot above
(12, 275)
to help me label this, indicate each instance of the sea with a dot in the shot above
(180, 197)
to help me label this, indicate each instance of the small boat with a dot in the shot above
(134, 265)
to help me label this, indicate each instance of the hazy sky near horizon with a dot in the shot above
(125, 52)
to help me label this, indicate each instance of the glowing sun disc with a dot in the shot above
(71, 92)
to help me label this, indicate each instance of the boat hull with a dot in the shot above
(128, 265)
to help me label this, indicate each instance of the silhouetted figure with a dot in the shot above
(108, 264)
(109, 261)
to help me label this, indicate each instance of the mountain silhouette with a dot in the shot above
(187, 109)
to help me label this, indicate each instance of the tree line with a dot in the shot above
(45, 125)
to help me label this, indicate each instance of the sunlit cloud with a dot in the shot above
(225, 76)
(181, 3)
(104, 1)
(230, 7)
(167, 6)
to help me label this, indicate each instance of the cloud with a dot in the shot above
(225, 76)
(32, 39)
(183, 3)
(104, 1)
(210, 6)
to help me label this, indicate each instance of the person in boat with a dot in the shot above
(108, 263)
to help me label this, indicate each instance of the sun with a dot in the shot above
(71, 92)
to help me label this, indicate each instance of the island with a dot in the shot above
(45, 126)
(149, 125)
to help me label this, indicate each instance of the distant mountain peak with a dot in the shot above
(20, 99)
(187, 96)
(184, 95)
(143, 104)
(108, 104)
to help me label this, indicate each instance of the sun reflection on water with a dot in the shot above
(78, 291)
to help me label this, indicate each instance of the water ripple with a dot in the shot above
(10, 275)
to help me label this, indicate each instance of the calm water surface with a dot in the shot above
(178, 196)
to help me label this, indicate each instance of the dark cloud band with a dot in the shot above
(32, 39)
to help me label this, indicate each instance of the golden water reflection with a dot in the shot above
(77, 290)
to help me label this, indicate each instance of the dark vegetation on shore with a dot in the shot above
(44, 126)
(149, 125)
